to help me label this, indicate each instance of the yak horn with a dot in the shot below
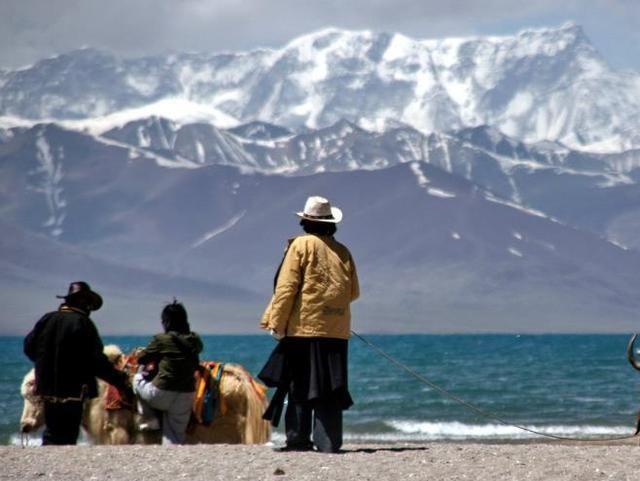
(630, 353)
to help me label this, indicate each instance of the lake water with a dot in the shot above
(567, 385)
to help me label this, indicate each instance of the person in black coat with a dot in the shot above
(67, 351)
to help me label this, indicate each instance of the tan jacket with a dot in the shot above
(316, 284)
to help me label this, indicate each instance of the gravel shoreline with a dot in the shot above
(432, 461)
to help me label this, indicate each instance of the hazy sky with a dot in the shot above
(33, 29)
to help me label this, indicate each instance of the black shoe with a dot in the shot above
(294, 447)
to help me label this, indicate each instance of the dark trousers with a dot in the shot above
(62, 422)
(321, 418)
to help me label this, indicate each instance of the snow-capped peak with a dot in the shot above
(545, 84)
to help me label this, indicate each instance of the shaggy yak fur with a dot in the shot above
(242, 422)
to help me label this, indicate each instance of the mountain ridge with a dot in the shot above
(536, 85)
(537, 176)
(462, 259)
(489, 183)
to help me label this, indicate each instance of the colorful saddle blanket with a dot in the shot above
(207, 395)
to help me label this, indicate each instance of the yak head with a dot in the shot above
(33, 409)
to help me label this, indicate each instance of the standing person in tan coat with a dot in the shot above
(309, 314)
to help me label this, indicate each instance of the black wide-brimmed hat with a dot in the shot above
(82, 289)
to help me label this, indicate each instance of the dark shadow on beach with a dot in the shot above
(396, 449)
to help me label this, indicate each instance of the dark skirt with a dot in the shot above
(307, 369)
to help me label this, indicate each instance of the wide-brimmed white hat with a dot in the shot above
(318, 209)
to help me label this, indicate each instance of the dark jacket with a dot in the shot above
(67, 351)
(177, 358)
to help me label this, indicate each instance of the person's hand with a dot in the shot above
(275, 334)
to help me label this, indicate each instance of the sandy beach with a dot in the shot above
(432, 461)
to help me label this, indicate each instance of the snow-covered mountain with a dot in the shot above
(538, 85)
(435, 251)
(489, 183)
(346, 146)
(591, 191)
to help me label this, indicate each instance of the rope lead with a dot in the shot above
(473, 407)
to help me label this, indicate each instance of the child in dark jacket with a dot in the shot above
(175, 355)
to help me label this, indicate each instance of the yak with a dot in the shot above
(240, 422)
